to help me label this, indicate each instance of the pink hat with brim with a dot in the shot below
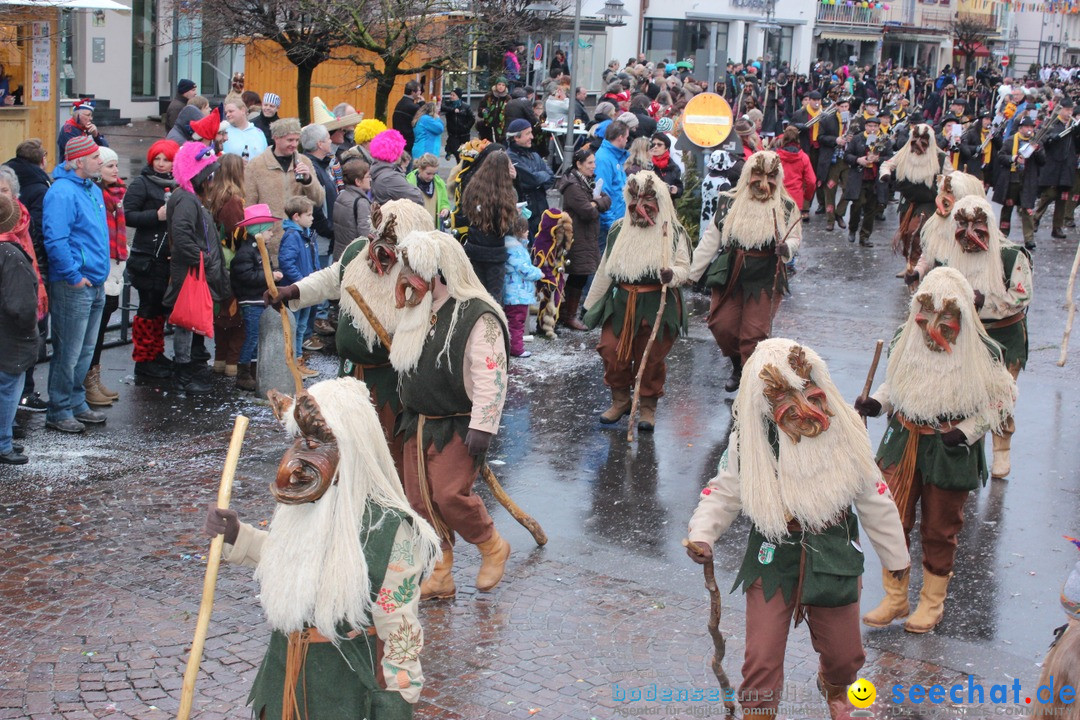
(257, 214)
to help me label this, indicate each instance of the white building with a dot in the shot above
(1044, 37)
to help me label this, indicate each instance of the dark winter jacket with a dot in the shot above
(263, 123)
(672, 176)
(459, 118)
(520, 108)
(298, 256)
(584, 255)
(144, 197)
(324, 214)
(192, 233)
(71, 130)
(857, 175)
(646, 125)
(1059, 170)
(404, 112)
(246, 273)
(177, 104)
(389, 183)
(34, 182)
(18, 307)
(534, 177)
(1028, 176)
(969, 151)
(181, 131)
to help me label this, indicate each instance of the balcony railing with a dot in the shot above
(849, 16)
(936, 18)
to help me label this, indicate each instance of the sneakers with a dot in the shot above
(33, 403)
(523, 354)
(91, 417)
(305, 371)
(67, 425)
(324, 327)
(314, 343)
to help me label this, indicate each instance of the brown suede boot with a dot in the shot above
(230, 370)
(94, 396)
(568, 312)
(245, 378)
(647, 419)
(1001, 465)
(620, 406)
(495, 551)
(440, 584)
(101, 386)
(836, 696)
(931, 603)
(895, 603)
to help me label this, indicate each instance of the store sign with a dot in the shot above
(40, 71)
(754, 4)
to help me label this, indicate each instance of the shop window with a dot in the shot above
(144, 43)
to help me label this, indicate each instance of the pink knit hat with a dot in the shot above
(191, 159)
(387, 146)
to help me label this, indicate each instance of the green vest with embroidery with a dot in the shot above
(436, 386)
(613, 305)
(353, 350)
(342, 683)
(758, 274)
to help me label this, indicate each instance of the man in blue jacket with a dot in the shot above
(609, 168)
(77, 242)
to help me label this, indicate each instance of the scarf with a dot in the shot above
(114, 214)
(21, 234)
(989, 147)
(589, 183)
(427, 188)
(167, 182)
(817, 126)
(1016, 150)
(661, 161)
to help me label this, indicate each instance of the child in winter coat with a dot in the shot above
(248, 285)
(519, 288)
(298, 258)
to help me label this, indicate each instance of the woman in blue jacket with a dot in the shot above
(428, 129)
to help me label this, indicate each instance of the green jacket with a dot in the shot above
(442, 201)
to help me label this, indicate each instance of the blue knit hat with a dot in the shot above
(517, 126)
(271, 99)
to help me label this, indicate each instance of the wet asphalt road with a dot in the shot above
(612, 509)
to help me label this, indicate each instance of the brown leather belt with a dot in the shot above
(1004, 322)
(633, 287)
(358, 369)
(922, 428)
(760, 253)
(314, 636)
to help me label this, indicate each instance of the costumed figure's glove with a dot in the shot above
(783, 251)
(666, 275)
(285, 294)
(703, 554)
(980, 300)
(911, 277)
(867, 407)
(477, 441)
(221, 522)
(954, 438)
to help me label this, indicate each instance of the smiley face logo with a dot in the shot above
(861, 693)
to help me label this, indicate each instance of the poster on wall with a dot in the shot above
(40, 71)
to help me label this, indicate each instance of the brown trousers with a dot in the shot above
(388, 421)
(942, 520)
(620, 374)
(228, 342)
(450, 474)
(834, 633)
(738, 324)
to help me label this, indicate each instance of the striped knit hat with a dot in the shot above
(271, 99)
(80, 146)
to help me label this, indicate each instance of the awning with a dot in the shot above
(849, 36)
(979, 51)
(71, 4)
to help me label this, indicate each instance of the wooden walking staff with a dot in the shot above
(719, 644)
(1070, 304)
(870, 375)
(664, 252)
(526, 520)
(290, 357)
(213, 561)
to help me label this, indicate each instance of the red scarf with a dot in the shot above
(660, 162)
(114, 213)
(21, 234)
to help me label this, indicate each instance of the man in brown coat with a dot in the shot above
(278, 173)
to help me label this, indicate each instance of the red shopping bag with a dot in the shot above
(194, 308)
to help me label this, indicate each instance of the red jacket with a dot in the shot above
(799, 178)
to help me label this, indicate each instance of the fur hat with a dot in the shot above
(190, 160)
(9, 214)
(285, 126)
(387, 146)
(367, 129)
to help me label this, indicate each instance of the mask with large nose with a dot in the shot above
(309, 467)
(972, 230)
(410, 289)
(798, 412)
(764, 176)
(940, 325)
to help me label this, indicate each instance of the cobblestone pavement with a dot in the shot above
(102, 561)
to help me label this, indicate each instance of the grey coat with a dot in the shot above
(389, 183)
(352, 218)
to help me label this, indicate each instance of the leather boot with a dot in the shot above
(440, 584)
(187, 380)
(620, 406)
(895, 603)
(105, 390)
(494, 551)
(931, 603)
(219, 366)
(245, 379)
(732, 383)
(1001, 465)
(647, 419)
(94, 395)
(836, 696)
(230, 370)
(568, 311)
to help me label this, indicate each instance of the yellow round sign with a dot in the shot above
(707, 120)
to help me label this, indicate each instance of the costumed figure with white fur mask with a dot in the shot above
(742, 256)
(945, 386)
(370, 266)
(450, 352)
(1001, 275)
(914, 168)
(799, 465)
(339, 569)
(647, 253)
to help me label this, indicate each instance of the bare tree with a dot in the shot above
(969, 32)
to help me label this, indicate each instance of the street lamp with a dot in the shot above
(613, 13)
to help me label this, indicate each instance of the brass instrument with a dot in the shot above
(838, 151)
(1044, 128)
(995, 131)
(821, 115)
(1070, 127)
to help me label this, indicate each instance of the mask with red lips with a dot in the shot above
(309, 467)
(972, 230)
(382, 250)
(410, 288)
(643, 206)
(798, 412)
(940, 326)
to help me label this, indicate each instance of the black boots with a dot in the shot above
(186, 378)
(736, 375)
